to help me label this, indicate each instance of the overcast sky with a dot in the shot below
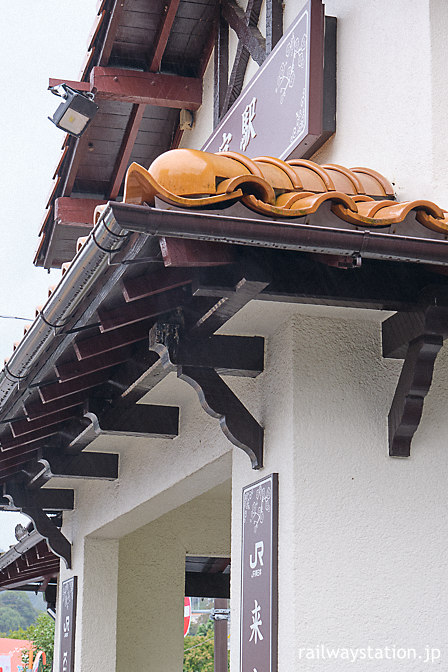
(43, 38)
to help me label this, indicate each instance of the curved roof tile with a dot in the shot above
(190, 178)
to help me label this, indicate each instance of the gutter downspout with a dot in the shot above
(106, 238)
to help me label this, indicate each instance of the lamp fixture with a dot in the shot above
(76, 111)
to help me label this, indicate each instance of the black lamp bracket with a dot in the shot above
(63, 91)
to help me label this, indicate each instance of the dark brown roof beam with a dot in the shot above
(143, 286)
(143, 88)
(76, 369)
(104, 343)
(99, 466)
(135, 420)
(56, 391)
(37, 409)
(8, 443)
(22, 427)
(127, 145)
(161, 41)
(50, 499)
(76, 212)
(137, 311)
(111, 31)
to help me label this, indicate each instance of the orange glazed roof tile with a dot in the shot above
(274, 188)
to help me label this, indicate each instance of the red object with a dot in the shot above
(187, 614)
(11, 653)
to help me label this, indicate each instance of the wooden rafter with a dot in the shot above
(161, 41)
(112, 27)
(127, 145)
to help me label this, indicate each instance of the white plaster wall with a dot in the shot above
(363, 540)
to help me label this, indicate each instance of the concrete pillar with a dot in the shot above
(97, 607)
(150, 601)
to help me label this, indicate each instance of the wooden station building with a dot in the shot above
(248, 332)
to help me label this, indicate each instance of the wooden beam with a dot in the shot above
(142, 88)
(274, 23)
(76, 211)
(37, 409)
(241, 60)
(249, 35)
(198, 584)
(56, 391)
(76, 369)
(88, 465)
(252, 280)
(143, 309)
(403, 327)
(104, 343)
(184, 253)
(146, 88)
(218, 400)
(49, 499)
(143, 286)
(228, 355)
(23, 427)
(221, 65)
(127, 420)
(55, 499)
(161, 40)
(124, 155)
(113, 25)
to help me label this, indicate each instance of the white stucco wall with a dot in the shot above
(362, 537)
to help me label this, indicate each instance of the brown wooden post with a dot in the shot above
(220, 660)
(221, 68)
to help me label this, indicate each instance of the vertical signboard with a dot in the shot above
(282, 112)
(67, 625)
(259, 576)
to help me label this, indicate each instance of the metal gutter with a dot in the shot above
(106, 238)
(290, 235)
(16, 552)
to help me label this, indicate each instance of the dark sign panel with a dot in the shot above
(67, 625)
(280, 113)
(259, 576)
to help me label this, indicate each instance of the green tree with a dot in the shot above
(41, 634)
(16, 611)
(198, 653)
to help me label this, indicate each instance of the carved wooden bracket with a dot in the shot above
(218, 400)
(27, 502)
(417, 336)
(198, 361)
